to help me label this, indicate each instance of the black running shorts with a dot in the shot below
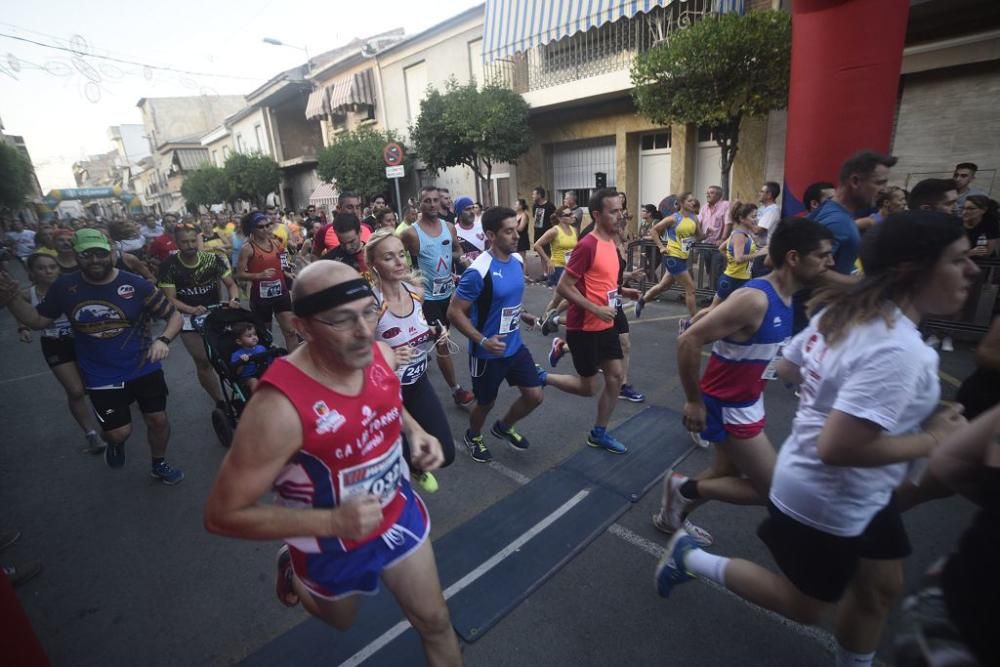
(58, 351)
(822, 565)
(112, 406)
(591, 348)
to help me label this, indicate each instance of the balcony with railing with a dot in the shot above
(605, 52)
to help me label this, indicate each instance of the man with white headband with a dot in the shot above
(324, 431)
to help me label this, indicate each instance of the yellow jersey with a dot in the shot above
(562, 246)
(739, 270)
(680, 236)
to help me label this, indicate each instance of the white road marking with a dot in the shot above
(386, 637)
(25, 377)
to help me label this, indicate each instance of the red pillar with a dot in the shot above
(846, 58)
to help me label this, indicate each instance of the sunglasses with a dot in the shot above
(265, 225)
(95, 253)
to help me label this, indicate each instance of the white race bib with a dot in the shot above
(379, 477)
(687, 244)
(441, 286)
(510, 319)
(771, 372)
(614, 299)
(270, 289)
(566, 255)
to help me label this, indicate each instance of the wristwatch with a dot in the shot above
(164, 340)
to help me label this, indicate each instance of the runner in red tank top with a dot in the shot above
(264, 262)
(324, 430)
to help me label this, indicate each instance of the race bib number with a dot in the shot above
(441, 286)
(510, 319)
(771, 372)
(194, 322)
(687, 244)
(413, 372)
(379, 477)
(567, 255)
(614, 299)
(286, 264)
(270, 289)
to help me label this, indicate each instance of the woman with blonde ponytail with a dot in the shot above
(402, 326)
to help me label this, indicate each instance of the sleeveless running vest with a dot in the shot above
(60, 326)
(434, 262)
(261, 260)
(411, 330)
(680, 236)
(351, 445)
(735, 371)
(739, 270)
(562, 246)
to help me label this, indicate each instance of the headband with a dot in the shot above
(331, 297)
(256, 217)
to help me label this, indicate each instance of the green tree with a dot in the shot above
(472, 126)
(251, 177)
(715, 73)
(16, 181)
(355, 161)
(206, 186)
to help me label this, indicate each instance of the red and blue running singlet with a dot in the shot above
(735, 371)
(351, 445)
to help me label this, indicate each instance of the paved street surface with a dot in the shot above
(131, 576)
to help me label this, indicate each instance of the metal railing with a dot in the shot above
(610, 47)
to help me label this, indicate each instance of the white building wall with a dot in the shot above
(246, 129)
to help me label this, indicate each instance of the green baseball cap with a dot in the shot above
(88, 239)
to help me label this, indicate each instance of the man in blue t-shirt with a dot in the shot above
(110, 311)
(487, 309)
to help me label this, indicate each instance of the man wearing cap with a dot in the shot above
(324, 431)
(470, 230)
(109, 311)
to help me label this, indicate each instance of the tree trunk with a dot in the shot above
(727, 136)
(488, 191)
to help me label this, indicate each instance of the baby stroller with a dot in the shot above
(217, 335)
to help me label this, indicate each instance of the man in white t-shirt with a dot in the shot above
(768, 216)
(20, 240)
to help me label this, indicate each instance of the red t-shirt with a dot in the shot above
(162, 247)
(330, 240)
(594, 264)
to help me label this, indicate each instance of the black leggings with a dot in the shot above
(420, 401)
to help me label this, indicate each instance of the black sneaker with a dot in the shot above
(114, 455)
(477, 448)
(166, 473)
(513, 438)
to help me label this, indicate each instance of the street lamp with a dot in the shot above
(277, 42)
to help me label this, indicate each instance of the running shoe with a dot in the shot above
(604, 440)
(677, 505)
(543, 375)
(166, 474)
(477, 448)
(947, 344)
(94, 444)
(629, 394)
(8, 538)
(556, 352)
(696, 437)
(550, 324)
(670, 571)
(283, 582)
(114, 455)
(19, 574)
(932, 341)
(426, 481)
(682, 325)
(463, 397)
(639, 305)
(700, 535)
(513, 438)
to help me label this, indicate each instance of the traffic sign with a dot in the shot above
(393, 155)
(395, 172)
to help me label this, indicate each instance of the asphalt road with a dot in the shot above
(131, 576)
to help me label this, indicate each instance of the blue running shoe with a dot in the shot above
(629, 394)
(166, 474)
(556, 352)
(639, 305)
(543, 375)
(513, 438)
(603, 440)
(670, 571)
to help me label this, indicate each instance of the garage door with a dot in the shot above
(654, 168)
(574, 163)
(708, 157)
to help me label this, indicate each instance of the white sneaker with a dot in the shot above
(698, 441)
(947, 344)
(932, 341)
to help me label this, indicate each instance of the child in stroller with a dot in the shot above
(242, 360)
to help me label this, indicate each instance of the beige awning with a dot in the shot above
(317, 105)
(357, 89)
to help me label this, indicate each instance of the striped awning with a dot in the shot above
(514, 26)
(317, 105)
(358, 88)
